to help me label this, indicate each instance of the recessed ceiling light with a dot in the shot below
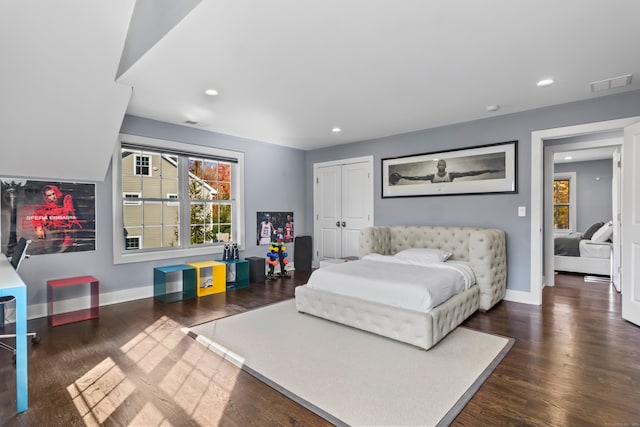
(336, 130)
(493, 107)
(211, 92)
(545, 82)
(568, 158)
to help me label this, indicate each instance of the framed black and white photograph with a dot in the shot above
(476, 170)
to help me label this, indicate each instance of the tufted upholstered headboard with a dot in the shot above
(484, 248)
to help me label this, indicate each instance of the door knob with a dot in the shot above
(344, 224)
(337, 223)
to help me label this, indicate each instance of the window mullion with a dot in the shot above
(185, 202)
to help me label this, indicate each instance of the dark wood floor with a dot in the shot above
(575, 363)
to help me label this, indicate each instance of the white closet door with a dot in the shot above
(329, 215)
(357, 205)
(343, 204)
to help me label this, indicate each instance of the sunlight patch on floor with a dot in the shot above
(99, 392)
(200, 384)
(155, 343)
(150, 416)
(197, 382)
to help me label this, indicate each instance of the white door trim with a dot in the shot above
(617, 217)
(537, 145)
(316, 199)
(630, 224)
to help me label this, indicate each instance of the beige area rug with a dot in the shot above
(351, 377)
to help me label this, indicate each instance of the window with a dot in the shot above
(175, 199)
(142, 165)
(564, 203)
(132, 242)
(172, 196)
(132, 198)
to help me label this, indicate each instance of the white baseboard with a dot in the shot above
(520, 296)
(40, 310)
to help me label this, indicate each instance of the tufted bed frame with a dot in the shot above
(483, 248)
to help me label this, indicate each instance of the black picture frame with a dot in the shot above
(482, 169)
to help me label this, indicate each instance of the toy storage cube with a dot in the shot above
(160, 283)
(92, 312)
(239, 269)
(213, 284)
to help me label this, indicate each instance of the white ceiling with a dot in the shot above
(601, 153)
(288, 70)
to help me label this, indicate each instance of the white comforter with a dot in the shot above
(589, 249)
(390, 281)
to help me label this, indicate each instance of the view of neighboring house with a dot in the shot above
(151, 195)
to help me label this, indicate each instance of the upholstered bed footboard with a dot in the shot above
(423, 330)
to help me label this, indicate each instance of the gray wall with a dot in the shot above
(274, 181)
(594, 198)
(280, 179)
(499, 210)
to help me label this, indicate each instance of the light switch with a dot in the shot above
(522, 211)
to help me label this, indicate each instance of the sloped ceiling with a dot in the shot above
(60, 107)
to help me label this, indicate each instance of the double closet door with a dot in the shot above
(343, 204)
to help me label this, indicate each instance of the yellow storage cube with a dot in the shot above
(214, 283)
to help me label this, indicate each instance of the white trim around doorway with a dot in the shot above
(537, 215)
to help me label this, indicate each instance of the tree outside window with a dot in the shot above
(209, 188)
(561, 204)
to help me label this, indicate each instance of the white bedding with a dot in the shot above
(395, 282)
(589, 249)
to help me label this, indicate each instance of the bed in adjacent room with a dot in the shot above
(412, 283)
(589, 252)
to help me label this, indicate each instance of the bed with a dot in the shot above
(588, 253)
(482, 249)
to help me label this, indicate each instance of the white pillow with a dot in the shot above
(423, 255)
(604, 233)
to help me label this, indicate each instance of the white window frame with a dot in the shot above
(573, 190)
(121, 255)
(135, 165)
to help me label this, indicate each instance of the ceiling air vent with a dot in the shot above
(611, 83)
(190, 122)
